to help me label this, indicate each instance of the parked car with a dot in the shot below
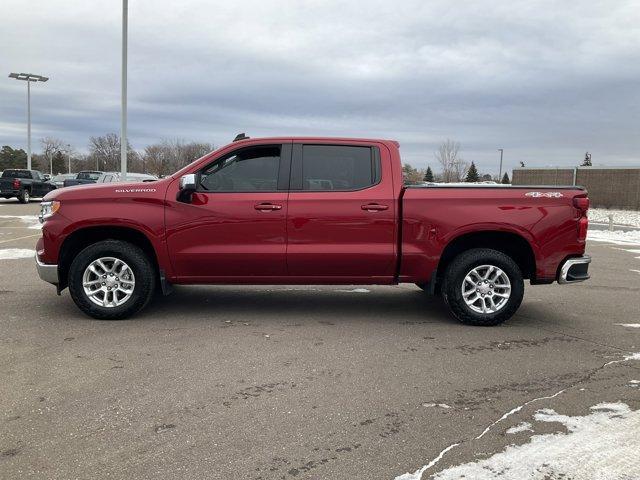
(111, 177)
(58, 180)
(82, 178)
(24, 184)
(310, 211)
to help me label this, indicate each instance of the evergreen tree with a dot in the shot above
(472, 174)
(428, 176)
(505, 178)
(12, 158)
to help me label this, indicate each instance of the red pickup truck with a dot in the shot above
(310, 211)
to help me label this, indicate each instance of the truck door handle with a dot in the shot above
(267, 206)
(374, 207)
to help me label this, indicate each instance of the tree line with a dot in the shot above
(168, 156)
(453, 168)
(56, 156)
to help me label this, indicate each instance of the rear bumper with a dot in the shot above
(48, 273)
(574, 270)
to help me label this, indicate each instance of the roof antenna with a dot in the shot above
(240, 136)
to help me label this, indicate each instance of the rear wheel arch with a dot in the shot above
(511, 244)
(83, 237)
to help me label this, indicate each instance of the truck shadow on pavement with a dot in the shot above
(384, 304)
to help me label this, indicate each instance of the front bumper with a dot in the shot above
(48, 273)
(574, 270)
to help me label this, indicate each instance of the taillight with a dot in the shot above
(583, 225)
(16, 184)
(582, 204)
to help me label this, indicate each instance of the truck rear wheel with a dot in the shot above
(24, 196)
(483, 287)
(111, 280)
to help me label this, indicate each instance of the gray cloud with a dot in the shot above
(544, 81)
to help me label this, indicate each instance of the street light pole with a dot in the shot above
(69, 156)
(28, 77)
(123, 121)
(500, 174)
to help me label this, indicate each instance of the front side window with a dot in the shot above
(251, 169)
(338, 168)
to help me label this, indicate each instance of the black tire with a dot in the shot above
(24, 196)
(458, 270)
(139, 263)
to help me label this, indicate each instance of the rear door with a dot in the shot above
(235, 225)
(341, 221)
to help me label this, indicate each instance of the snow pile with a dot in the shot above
(603, 444)
(616, 237)
(620, 217)
(522, 427)
(15, 253)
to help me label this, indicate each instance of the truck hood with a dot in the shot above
(110, 190)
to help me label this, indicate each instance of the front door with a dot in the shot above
(234, 228)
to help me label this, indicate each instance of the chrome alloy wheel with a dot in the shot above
(108, 282)
(486, 289)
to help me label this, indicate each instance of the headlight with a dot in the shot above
(47, 209)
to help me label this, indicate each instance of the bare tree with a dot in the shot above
(169, 156)
(104, 151)
(51, 148)
(454, 168)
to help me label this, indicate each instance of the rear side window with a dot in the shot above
(251, 169)
(339, 168)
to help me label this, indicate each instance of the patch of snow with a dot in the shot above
(603, 444)
(522, 427)
(355, 290)
(616, 237)
(629, 325)
(441, 405)
(32, 221)
(620, 217)
(634, 271)
(417, 475)
(515, 410)
(631, 356)
(634, 383)
(15, 253)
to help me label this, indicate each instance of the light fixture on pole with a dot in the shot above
(69, 155)
(28, 77)
(123, 119)
(500, 174)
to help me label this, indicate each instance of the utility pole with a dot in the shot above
(123, 120)
(500, 174)
(69, 155)
(28, 77)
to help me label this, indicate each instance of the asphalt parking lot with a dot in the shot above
(234, 382)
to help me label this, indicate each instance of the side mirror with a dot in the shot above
(188, 185)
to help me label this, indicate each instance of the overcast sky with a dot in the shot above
(545, 80)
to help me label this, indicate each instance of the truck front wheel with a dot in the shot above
(483, 287)
(111, 280)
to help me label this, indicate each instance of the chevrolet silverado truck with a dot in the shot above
(310, 211)
(24, 184)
